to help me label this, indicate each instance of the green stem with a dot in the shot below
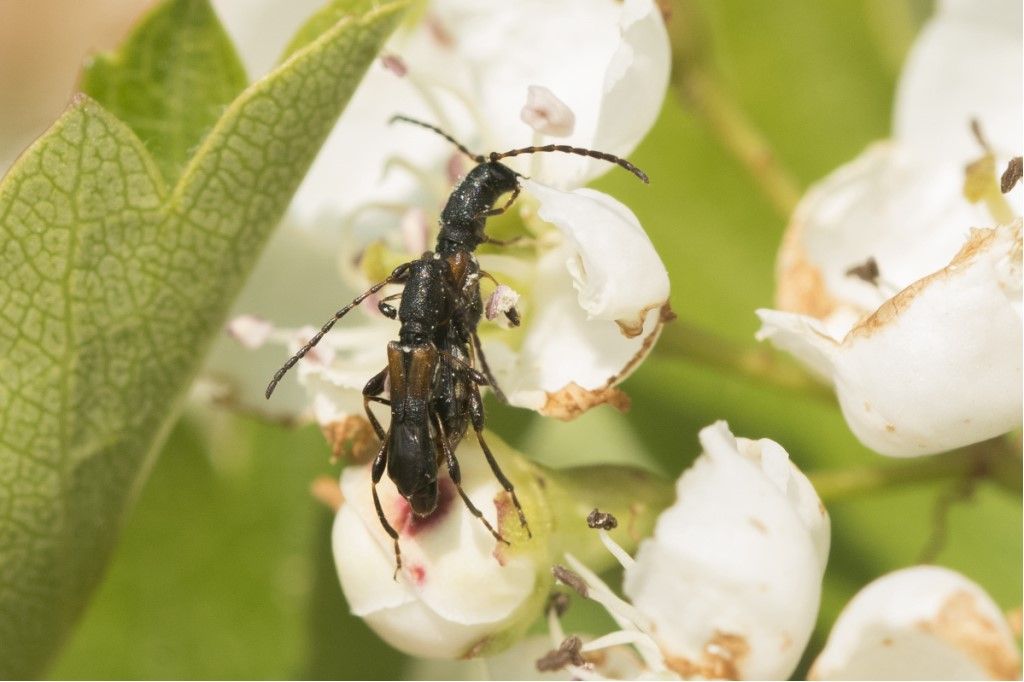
(695, 81)
(998, 460)
(761, 364)
(738, 135)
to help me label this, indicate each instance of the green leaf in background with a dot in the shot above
(114, 286)
(170, 81)
(225, 569)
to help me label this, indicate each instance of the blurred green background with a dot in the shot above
(224, 569)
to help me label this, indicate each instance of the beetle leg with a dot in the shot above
(476, 413)
(456, 476)
(520, 240)
(476, 376)
(371, 393)
(386, 309)
(488, 375)
(377, 472)
(498, 211)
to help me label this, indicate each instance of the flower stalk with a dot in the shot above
(997, 460)
(697, 85)
(685, 341)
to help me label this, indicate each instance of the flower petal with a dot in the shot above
(452, 592)
(731, 579)
(936, 367)
(567, 362)
(635, 82)
(920, 623)
(965, 65)
(352, 168)
(346, 360)
(608, 61)
(909, 216)
(614, 267)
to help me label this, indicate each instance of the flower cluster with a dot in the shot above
(899, 284)
(900, 273)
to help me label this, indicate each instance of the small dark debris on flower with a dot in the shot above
(569, 653)
(867, 271)
(603, 520)
(1012, 174)
(557, 602)
(570, 579)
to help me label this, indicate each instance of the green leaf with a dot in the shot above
(170, 81)
(171, 606)
(325, 17)
(114, 286)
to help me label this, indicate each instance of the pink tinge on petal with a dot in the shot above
(418, 574)
(249, 330)
(409, 525)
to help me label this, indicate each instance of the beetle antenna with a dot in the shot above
(479, 158)
(579, 151)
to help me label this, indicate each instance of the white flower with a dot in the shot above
(459, 593)
(920, 623)
(936, 367)
(887, 291)
(736, 562)
(594, 303)
(729, 585)
(598, 70)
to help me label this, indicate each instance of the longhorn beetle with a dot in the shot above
(432, 368)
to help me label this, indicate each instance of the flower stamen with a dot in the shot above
(981, 184)
(547, 114)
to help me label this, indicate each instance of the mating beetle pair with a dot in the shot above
(436, 367)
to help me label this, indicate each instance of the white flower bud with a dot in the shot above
(920, 623)
(731, 580)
